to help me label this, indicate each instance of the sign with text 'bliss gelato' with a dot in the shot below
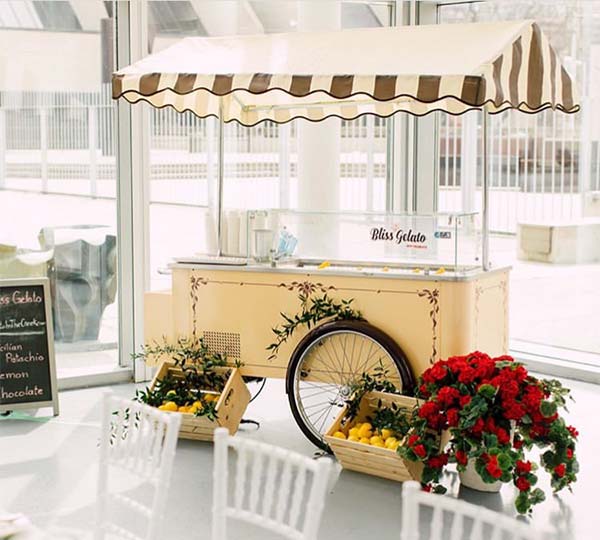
(27, 370)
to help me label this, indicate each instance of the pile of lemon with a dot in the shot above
(364, 433)
(192, 408)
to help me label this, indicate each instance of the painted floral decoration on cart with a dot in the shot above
(495, 412)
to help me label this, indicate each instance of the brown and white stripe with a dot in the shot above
(527, 75)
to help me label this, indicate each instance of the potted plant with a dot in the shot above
(495, 412)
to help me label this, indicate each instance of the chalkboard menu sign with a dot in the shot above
(27, 369)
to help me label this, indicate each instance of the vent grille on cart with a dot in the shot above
(223, 342)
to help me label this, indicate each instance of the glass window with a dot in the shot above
(544, 172)
(56, 15)
(58, 179)
(262, 163)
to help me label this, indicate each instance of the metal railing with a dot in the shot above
(63, 142)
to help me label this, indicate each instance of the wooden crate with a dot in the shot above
(230, 407)
(364, 458)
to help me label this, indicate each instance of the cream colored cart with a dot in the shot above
(415, 313)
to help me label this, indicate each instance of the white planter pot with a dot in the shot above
(471, 479)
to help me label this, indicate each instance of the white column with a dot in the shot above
(319, 143)
(468, 161)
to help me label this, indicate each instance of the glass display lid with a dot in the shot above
(443, 242)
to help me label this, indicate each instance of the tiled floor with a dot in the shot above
(48, 470)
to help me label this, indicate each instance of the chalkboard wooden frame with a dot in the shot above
(45, 284)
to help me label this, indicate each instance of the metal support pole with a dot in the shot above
(485, 225)
(220, 180)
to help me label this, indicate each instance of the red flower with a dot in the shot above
(477, 429)
(427, 488)
(560, 470)
(503, 436)
(420, 451)
(437, 462)
(447, 395)
(423, 391)
(513, 410)
(438, 372)
(453, 417)
(461, 457)
(428, 410)
(569, 453)
(464, 400)
(532, 398)
(509, 390)
(467, 375)
(574, 433)
(518, 443)
(522, 484)
(412, 440)
(523, 467)
(492, 467)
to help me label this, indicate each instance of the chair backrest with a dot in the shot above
(139, 440)
(457, 516)
(276, 489)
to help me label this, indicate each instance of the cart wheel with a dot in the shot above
(327, 364)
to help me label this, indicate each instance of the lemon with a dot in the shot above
(390, 442)
(354, 432)
(170, 406)
(183, 408)
(353, 438)
(339, 435)
(365, 430)
(379, 444)
(365, 440)
(197, 404)
(395, 446)
(358, 425)
(386, 434)
(376, 439)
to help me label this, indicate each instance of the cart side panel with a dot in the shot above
(235, 310)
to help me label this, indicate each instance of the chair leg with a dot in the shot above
(220, 478)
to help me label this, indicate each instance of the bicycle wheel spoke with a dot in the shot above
(328, 369)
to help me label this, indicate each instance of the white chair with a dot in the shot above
(285, 492)
(139, 441)
(483, 521)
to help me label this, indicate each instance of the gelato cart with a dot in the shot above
(402, 290)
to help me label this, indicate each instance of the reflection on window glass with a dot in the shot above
(175, 17)
(545, 170)
(57, 15)
(58, 172)
(262, 163)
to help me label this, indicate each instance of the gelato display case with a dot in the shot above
(364, 242)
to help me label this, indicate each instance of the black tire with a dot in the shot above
(355, 327)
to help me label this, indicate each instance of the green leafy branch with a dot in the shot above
(314, 310)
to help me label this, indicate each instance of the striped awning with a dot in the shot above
(381, 71)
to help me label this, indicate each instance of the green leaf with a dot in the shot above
(487, 391)
(547, 408)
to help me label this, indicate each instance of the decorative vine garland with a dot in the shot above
(314, 309)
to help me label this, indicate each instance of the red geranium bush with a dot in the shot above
(495, 411)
